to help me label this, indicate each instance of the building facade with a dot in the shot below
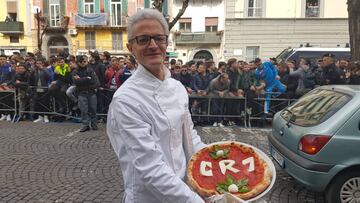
(199, 32)
(15, 26)
(263, 28)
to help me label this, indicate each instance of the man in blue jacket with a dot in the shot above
(268, 74)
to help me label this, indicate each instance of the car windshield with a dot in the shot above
(283, 55)
(315, 107)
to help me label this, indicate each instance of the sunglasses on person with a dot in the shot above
(143, 40)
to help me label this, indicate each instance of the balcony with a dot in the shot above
(55, 24)
(198, 38)
(13, 27)
(99, 20)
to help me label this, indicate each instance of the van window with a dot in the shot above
(315, 107)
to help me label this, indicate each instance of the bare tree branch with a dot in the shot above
(181, 12)
(158, 4)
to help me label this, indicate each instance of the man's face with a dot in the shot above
(38, 64)
(150, 55)
(121, 62)
(60, 62)
(2, 60)
(20, 69)
(327, 61)
(115, 63)
(343, 64)
(246, 68)
(224, 79)
(201, 69)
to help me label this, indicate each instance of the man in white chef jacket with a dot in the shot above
(149, 124)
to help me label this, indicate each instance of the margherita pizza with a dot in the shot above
(229, 167)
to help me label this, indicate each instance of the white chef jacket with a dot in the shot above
(146, 127)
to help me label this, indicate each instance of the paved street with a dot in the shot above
(55, 163)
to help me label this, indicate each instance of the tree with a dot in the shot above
(354, 28)
(158, 5)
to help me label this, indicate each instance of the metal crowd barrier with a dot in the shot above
(7, 92)
(243, 113)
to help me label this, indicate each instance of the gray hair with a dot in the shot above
(145, 14)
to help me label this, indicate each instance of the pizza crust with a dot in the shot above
(258, 189)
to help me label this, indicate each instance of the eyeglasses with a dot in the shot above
(143, 40)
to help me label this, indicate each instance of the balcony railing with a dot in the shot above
(100, 20)
(117, 22)
(12, 27)
(198, 38)
(91, 19)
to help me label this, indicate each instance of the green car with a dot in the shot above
(317, 141)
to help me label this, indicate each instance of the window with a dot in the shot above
(315, 107)
(254, 8)
(11, 9)
(14, 39)
(90, 40)
(185, 25)
(117, 40)
(54, 13)
(312, 8)
(89, 6)
(116, 12)
(252, 52)
(211, 24)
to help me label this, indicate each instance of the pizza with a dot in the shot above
(229, 167)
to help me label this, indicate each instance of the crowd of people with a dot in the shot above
(87, 83)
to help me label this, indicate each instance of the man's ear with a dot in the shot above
(129, 47)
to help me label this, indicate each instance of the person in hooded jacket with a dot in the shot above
(268, 73)
(86, 82)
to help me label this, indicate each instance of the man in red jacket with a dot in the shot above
(112, 81)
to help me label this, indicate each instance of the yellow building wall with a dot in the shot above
(103, 40)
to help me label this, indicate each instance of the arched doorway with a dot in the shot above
(57, 42)
(203, 55)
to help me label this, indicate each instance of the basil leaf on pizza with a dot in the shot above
(229, 167)
(218, 152)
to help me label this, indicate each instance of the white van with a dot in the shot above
(311, 53)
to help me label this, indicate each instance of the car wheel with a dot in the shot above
(345, 188)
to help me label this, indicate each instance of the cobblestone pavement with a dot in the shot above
(56, 163)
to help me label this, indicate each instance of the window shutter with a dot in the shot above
(165, 8)
(80, 6)
(97, 6)
(147, 4)
(62, 8)
(123, 7)
(46, 7)
(107, 6)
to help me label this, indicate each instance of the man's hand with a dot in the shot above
(17, 82)
(277, 77)
(76, 77)
(221, 94)
(240, 92)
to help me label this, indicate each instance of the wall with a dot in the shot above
(103, 40)
(288, 8)
(273, 35)
(198, 10)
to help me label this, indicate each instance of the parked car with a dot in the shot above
(311, 53)
(317, 141)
